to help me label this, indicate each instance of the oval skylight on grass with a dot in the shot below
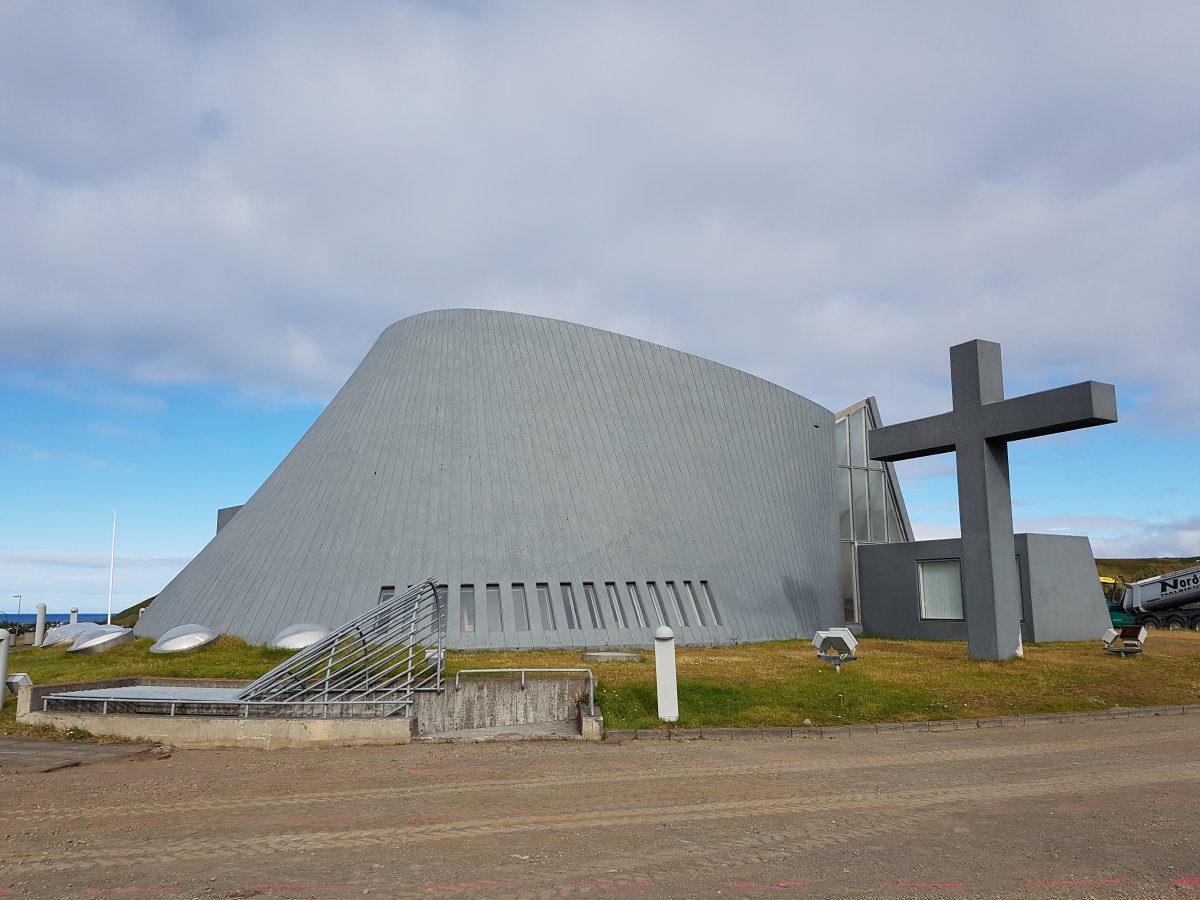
(65, 634)
(99, 638)
(182, 638)
(298, 636)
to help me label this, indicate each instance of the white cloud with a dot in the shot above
(826, 195)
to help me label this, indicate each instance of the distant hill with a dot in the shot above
(127, 618)
(1128, 570)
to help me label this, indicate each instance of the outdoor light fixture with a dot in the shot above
(18, 680)
(1125, 640)
(836, 646)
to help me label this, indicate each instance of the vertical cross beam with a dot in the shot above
(991, 586)
(978, 430)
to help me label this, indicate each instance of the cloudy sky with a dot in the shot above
(208, 212)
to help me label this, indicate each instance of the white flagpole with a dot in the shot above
(112, 563)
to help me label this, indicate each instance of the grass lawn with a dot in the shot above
(779, 683)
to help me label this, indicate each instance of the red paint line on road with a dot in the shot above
(1082, 881)
(1187, 881)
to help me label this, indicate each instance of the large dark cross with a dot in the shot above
(978, 431)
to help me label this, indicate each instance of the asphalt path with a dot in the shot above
(1086, 808)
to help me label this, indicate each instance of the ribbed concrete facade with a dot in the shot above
(537, 462)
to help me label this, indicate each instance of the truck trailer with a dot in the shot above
(1170, 601)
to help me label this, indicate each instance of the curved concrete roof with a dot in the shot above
(491, 448)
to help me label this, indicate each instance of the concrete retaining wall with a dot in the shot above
(480, 703)
(200, 732)
(492, 702)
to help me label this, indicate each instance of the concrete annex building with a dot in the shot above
(569, 487)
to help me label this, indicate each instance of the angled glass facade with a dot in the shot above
(870, 505)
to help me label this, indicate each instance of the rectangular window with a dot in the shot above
(520, 607)
(635, 601)
(895, 529)
(442, 593)
(877, 482)
(842, 486)
(495, 613)
(466, 608)
(674, 593)
(858, 437)
(614, 603)
(568, 599)
(712, 602)
(849, 590)
(841, 437)
(387, 592)
(941, 589)
(593, 604)
(858, 504)
(546, 607)
(695, 606)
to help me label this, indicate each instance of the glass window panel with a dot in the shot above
(659, 606)
(635, 601)
(858, 500)
(696, 607)
(568, 599)
(494, 612)
(842, 484)
(520, 607)
(858, 438)
(941, 589)
(443, 592)
(841, 435)
(849, 586)
(614, 603)
(593, 604)
(712, 602)
(895, 527)
(673, 591)
(546, 607)
(466, 608)
(877, 497)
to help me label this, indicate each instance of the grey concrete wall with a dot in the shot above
(492, 702)
(1061, 598)
(210, 732)
(479, 447)
(1064, 600)
(225, 516)
(889, 595)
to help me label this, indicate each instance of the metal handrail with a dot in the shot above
(244, 705)
(591, 680)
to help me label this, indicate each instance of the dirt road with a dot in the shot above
(1081, 809)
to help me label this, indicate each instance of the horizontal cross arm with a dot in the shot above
(909, 440)
(1051, 412)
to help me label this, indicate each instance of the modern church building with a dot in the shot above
(571, 487)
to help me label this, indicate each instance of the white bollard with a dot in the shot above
(664, 669)
(3, 664)
(74, 615)
(39, 631)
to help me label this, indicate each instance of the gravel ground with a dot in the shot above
(1104, 808)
